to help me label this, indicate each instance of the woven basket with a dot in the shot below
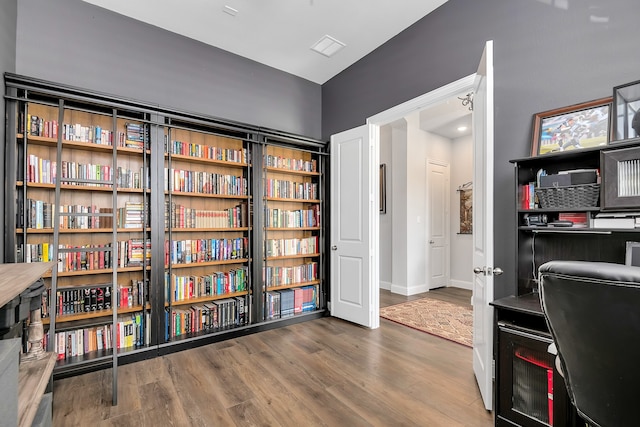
(574, 196)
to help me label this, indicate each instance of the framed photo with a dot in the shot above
(572, 128)
(632, 254)
(383, 188)
(626, 112)
(620, 170)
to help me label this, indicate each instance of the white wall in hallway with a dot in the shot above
(461, 244)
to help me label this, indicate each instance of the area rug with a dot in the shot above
(435, 317)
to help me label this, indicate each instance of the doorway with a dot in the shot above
(412, 135)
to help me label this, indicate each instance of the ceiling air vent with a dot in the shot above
(327, 46)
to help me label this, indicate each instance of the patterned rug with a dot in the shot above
(435, 317)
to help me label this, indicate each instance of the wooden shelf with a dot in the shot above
(200, 230)
(80, 230)
(191, 159)
(63, 318)
(273, 258)
(292, 285)
(98, 271)
(291, 172)
(207, 298)
(78, 145)
(292, 228)
(212, 196)
(204, 264)
(80, 187)
(33, 378)
(278, 199)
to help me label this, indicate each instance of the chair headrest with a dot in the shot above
(620, 273)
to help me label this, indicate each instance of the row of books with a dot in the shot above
(291, 190)
(528, 199)
(289, 302)
(180, 216)
(281, 218)
(180, 288)
(40, 216)
(207, 152)
(279, 276)
(44, 171)
(187, 181)
(212, 316)
(131, 331)
(286, 247)
(291, 164)
(203, 250)
(89, 299)
(137, 136)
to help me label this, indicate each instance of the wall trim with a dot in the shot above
(461, 284)
(403, 290)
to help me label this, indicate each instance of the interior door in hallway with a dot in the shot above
(437, 224)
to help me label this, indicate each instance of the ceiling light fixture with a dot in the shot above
(229, 10)
(327, 46)
(462, 128)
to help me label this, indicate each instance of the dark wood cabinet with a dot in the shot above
(529, 391)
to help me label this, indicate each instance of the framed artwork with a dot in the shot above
(626, 112)
(632, 254)
(466, 209)
(572, 128)
(383, 188)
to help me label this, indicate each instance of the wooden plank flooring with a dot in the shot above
(324, 372)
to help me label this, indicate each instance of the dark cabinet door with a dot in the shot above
(530, 390)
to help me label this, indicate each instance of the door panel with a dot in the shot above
(483, 225)
(353, 257)
(438, 224)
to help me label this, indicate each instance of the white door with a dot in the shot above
(483, 226)
(437, 224)
(354, 225)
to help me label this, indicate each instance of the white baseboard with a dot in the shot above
(402, 290)
(385, 285)
(461, 284)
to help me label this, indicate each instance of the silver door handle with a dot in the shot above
(497, 271)
(478, 270)
(334, 248)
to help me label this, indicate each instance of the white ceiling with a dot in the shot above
(280, 33)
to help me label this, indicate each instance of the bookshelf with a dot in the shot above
(207, 239)
(161, 215)
(292, 223)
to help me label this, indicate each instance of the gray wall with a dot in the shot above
(79, 44)
(8, 13)
(545, 58)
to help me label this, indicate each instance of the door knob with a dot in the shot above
(334, 248)
(478, 270)
(497, 271)
(431, 242)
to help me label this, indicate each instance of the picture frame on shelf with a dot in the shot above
(626, 112)
(619, 170)
(632, 254)
(573, 127)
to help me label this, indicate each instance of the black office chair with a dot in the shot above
(593, 313)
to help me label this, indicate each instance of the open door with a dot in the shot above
(354, 225)
(483, 226)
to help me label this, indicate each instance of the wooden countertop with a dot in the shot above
(16, 277)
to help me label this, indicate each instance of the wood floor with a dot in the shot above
(324, 372)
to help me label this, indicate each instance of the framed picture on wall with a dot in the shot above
(383, 188)
(572, 128)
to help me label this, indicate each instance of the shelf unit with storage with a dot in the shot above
(520, 327)
(157, 221)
